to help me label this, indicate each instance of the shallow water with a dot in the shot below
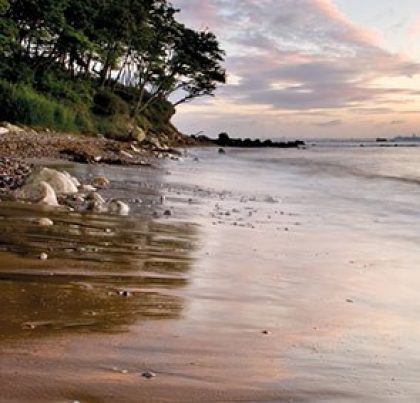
(281, 275)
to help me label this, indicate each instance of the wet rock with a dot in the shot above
(41, 193)
(148, 375)
(43, 256)
(73, 179)
(45, 222)
(118, 207)
(96, 203)
(58, 181)
(124, 293)
(101, 182)
(270, 199)
(88, 188)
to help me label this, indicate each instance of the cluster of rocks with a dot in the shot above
(225, 141)
(53, 188)
(13, 173)
(138, 149)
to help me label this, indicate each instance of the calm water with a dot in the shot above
(281, 275)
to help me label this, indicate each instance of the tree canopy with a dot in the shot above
(136, 46)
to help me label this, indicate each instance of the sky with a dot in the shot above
(309, 68)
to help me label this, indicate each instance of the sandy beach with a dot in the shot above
(259, 285)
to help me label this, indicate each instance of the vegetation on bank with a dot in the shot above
(101, 66)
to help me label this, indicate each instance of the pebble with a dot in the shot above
(43, 256)
(101, 182)
(124, 293)
(45, 222)
(167, 213)
(148, 375)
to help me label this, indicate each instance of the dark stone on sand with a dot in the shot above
(148, 375)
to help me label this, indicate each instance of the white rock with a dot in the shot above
(119, 207)
(12, 128)
(88, 188)
(43, 256)
(73, 179)
(126, 154)
(49, 198)
(45, 222)
(60, 182)
(4, 130)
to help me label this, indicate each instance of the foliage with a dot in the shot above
(101, 59)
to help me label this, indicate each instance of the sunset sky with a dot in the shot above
(310, 68)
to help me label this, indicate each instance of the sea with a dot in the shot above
(251, 275)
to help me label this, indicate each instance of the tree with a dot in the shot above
(175, 61)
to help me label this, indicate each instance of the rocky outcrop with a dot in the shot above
(225, 141)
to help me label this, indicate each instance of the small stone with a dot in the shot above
(124, 293)
(45, 222)
(148, 375)
(266, 332)
(349, 300)
(167, 213)
(101, 182)
(43, 256)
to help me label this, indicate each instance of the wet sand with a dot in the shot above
(257, 287)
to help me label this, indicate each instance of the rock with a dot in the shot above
(124, 293)
(45, 222)
(60, 182)
(11, 128)
(155, 143)
(41, 193)
(135, 149)
(221, 151)
(49, 197)
(3, 130)
(118, 207)
(43, 256)
(126, 154)
(266, 332)
(97, 203)
(88, 188)
(138, 134)
(73, 179)
(167, 213)
(148, 375)
(101, 182)
(270, 199)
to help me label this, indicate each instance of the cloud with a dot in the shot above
(330, 123)
(302, 55)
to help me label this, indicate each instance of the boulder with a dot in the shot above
(39, 192)
(60, 182)
(73, 179)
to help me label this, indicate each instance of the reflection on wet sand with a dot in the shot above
(103, 272)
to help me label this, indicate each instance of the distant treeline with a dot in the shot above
(81, 63)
